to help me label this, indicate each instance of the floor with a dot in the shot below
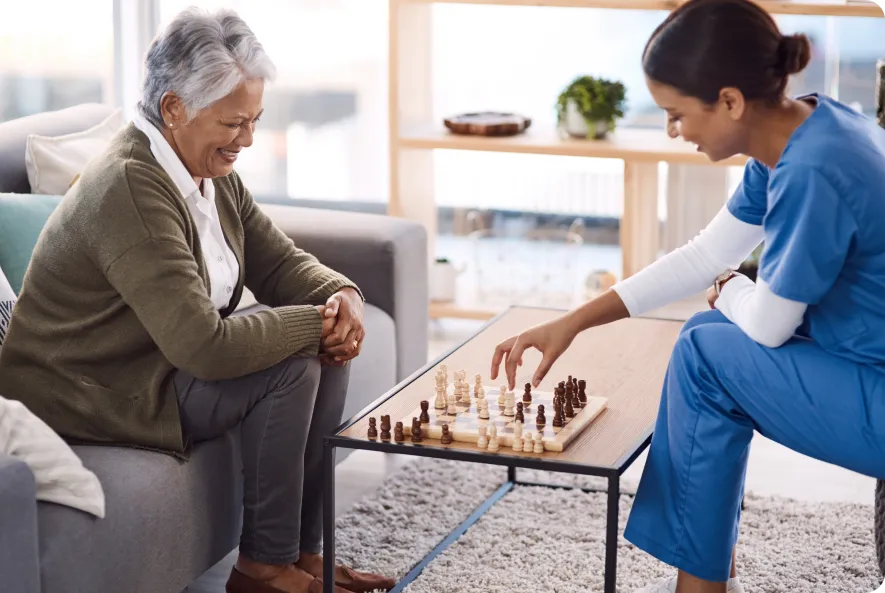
(773, 469)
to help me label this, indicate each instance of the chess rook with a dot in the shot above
(425, 416)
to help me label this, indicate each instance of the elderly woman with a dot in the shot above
(123, 332)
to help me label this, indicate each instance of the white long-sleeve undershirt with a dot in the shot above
(726, 242)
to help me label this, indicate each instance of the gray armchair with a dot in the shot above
(167, 522)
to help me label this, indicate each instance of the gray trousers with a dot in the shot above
(283, 414)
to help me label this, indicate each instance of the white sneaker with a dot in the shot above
(669, 586)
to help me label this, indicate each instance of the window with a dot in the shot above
(324, 132)
(48, 63)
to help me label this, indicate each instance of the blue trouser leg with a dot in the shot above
(720, 386)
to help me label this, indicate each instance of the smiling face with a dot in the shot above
(209, 144)
(719, 130)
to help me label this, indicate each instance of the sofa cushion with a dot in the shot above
(167, 520)
(7, 301)
(55, 162)
(22, 218)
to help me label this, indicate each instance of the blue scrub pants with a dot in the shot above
(720, 387)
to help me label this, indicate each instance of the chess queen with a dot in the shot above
(798, 354)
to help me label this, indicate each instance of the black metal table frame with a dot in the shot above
(512, 462)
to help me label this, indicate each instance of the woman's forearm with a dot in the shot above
(604, 309)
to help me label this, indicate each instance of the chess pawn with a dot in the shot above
(502, 395)
(416, 430)
(483, 408)
(519, 414)
(385, 427)
(373, 429)
(541, 420)
(465, 392)
(398, 433)
(527, 444)
(527, 394)
(539, 443)
(493, 437)
(517, 436)
(477, 384)
(508, 404)
(483, 441)
(452, 409)
(446, 438)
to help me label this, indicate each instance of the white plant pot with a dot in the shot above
(576, 126)
(443, 281)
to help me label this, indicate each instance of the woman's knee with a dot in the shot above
(298, 371)
(704, 318)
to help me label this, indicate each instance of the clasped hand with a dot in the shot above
(343, 330)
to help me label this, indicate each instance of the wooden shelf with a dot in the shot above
(626, 144)
(803, 7)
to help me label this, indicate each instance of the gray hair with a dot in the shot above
(201, 57)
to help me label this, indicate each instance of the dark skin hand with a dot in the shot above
(343, 314)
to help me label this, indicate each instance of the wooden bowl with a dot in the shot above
(488, 123)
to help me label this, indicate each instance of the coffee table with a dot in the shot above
(624, 362)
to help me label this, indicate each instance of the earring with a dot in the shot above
(171, 125)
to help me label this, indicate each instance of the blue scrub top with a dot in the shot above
(823, 211)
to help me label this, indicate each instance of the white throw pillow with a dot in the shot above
(59, 473)
(7, 301)
(54, 163)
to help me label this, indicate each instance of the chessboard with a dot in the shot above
(469, 411)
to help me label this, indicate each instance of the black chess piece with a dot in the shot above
(582, 391)
(385, 427)
(398, 433)
(527, 394)
(425, 416)
(558, 420)
(569, 409)
(373, 429)
(519, 415)
(416, 430)
(446, 438)
(541, 420)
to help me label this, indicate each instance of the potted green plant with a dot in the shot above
(589, 107)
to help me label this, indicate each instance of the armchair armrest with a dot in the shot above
(385, 256)
(19, 548)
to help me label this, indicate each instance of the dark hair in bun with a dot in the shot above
(706, 45)
(795, 53)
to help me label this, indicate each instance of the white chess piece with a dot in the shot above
(483, 405)
(539, 444)
(440, 402)
(477, 384)
(502, 395)
(451, 409)
(508, 404)
(493, 437)
(517, 436)
(465, 392)
(483, 442)
(527, 445)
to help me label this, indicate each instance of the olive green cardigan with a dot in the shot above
(117, 296)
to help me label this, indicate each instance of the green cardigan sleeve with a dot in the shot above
(158, 277)
(277, 272)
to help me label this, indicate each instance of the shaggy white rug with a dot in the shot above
(539, 540)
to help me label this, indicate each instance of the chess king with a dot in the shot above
(796, 354)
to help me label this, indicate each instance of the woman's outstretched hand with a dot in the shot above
(551, 339)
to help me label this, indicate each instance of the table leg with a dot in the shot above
(611, 534)
(511, 474)
(328, 517)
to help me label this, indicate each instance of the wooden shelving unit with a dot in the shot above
(414, 133)
(803, 7)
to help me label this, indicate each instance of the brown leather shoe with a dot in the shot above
(240, 583)
(361, 582)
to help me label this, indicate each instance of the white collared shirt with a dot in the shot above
(220, 262)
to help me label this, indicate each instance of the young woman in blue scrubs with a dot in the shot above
(798, 355)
